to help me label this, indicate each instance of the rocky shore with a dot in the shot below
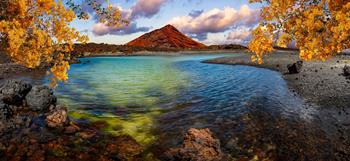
(324, 86)
(33, 127)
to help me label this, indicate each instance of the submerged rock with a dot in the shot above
(198, 145)
(87, 134)
(58, 118)
(71, 129)
(295, 67)
(40, 98)
(13, 91)
(125, 148)
(10, 121)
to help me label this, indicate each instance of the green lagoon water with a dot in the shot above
(156, 99)
(126, 93)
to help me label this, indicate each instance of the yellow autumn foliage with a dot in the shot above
(320, 29)
(38, 32)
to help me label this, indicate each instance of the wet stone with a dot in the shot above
(199, 145)
(125, 148)
(12, 92)
(71, 129)
(40, 98)
(57, 118)
(87, 134)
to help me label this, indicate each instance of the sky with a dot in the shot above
(207, 21)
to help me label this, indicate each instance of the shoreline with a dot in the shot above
(161, 53)
(320, 83)
(10, 70)
(326, 73)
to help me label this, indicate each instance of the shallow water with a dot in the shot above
(156, 99)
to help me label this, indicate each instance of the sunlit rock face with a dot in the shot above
(57, 118)
(198, 144)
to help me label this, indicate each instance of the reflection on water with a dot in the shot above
(158, 98)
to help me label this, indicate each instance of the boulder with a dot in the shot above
(198, 145)
(58, 118)
(295, 67)
(13, 92)
(40, 98)
(346, 71)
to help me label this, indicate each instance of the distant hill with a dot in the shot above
(167, 37)
(226, 47)
(94, 48)
(102, 48)
(99, 48)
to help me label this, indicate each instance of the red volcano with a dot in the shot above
(167, 37)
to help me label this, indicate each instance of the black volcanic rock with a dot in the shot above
(40, 98)
(295, 67)
(12, 92)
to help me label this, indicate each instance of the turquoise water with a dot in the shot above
(127, 93)
(130, 94)
(156, 99)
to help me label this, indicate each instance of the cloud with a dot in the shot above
(101, 29)
(240, 36)
(216, 21)
(146, 8)
(141, 9)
